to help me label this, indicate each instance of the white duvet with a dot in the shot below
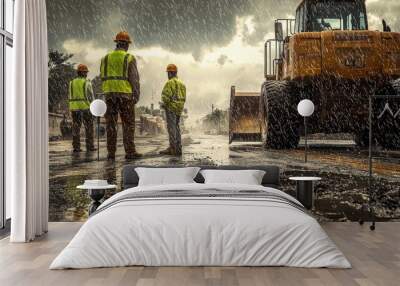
(200, 231)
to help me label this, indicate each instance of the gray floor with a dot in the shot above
(375, 257)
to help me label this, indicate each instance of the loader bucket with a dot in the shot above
(244, 118)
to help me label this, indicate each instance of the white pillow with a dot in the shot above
(248, 177)
(166, 176)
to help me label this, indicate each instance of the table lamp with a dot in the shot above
(305, 109)
(98, 108)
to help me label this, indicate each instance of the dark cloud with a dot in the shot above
(222, 59)
(176, 25)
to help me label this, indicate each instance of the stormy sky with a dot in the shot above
(214, 43)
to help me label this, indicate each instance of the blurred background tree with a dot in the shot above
(216, 121)
(61, 72)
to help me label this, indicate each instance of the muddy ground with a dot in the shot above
(340, 194)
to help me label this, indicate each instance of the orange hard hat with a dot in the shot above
(82, 68)
(172, 68)
(123, 37)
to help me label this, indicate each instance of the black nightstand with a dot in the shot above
(96, 193)
(305, 190)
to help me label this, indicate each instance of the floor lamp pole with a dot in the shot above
(305, 139)
(368, 207)
(98, 138)
(370, 145)
(372, 227)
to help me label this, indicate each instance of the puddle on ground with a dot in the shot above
(340, 194)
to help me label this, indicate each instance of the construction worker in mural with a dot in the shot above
(80, 97)
(120, 84)
(173, 99)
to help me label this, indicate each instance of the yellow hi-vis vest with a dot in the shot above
(114, 72)
(174, 95)
(77, 94)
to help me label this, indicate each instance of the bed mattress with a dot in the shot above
(201, 225)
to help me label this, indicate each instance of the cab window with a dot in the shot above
(301, 19)
(333, 15)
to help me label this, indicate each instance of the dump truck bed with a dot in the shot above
(244, 118)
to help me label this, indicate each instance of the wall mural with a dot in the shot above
(219, 82)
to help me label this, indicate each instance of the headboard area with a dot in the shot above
(271, 178)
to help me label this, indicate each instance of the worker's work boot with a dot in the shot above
(167, 151)
(76, 151)
(132, 156)
(91, 149)
(111, 157)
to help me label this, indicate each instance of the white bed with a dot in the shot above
(208, 230)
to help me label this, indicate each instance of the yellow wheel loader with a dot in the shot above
(328, 55)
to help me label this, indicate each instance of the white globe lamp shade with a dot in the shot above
(305, 108)
(98, 107)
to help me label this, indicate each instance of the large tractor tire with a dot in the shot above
(387, 128)
(279, 113)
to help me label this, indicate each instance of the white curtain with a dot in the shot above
(27, 124)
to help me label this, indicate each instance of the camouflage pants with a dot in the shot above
(174, 131)
(78, 117)
(125, 107)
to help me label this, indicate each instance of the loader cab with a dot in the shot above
(326, 15)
